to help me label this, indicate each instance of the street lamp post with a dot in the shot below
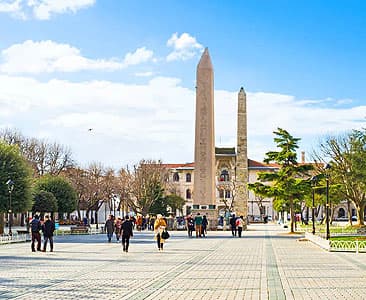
(313, 183)
(10, 184)
(327, 167)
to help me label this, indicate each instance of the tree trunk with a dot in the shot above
(96, 219)
(22, 219)
(291, 216)
(360, 214)
(2, 216)
(323, 215)
(332, 208)
(349, 212)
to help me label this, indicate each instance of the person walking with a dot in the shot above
(239, 224)
(118, 227)
(198, 222)
(109, 228)
(204, 225)
(126, 233)
(233, 225)
(36, 236)
(159, 227)
(48, 228)
(139, 223)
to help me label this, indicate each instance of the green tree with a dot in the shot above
(159, 204)
(290, 183)
(175, 202)
(14, 167)
(44, 202)
(347, 156)
(61, 188)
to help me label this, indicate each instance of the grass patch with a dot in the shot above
(333, 229)
(348, 238)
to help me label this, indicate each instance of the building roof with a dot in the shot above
(189, 166)
(252, 164)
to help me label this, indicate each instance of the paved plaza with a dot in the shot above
(266, 263)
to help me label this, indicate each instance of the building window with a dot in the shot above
(188, 194)
(188, 177)
(341, 213)
(224, 175)
(176, 177)
(227, 194)
(221, 193)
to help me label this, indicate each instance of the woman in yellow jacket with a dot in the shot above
(159, 227)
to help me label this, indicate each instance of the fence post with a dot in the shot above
(357, 247)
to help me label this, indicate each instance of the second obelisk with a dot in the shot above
(204, 175)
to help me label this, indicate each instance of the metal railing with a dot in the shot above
(352, 246)
(15, 238)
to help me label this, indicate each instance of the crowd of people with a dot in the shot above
(199, 224)
(123, 228)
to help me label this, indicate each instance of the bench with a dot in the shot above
(79, 229)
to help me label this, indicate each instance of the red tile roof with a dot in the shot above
(257, 164)
(251, 164)
(175, 166)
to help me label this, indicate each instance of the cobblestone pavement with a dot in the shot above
(266, 263)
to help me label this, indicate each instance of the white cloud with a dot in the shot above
(184, 47)
(9, 6)
(156, 119)
(141, 55)
(42, 9)
(144, 74)
(48, 56)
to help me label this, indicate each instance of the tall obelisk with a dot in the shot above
(241, 194)
(204, 154)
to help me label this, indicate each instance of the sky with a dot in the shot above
(127, 70)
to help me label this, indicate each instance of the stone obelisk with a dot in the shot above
(241, 193)
(204, 155)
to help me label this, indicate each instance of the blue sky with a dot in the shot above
(67, 66)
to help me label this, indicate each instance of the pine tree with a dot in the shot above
(290, 183)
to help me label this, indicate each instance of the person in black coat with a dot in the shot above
(233, 225)
(126, 233)
(204, 225)
(109, 227)
(48, 228)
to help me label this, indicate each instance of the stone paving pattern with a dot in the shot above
(266, 263)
